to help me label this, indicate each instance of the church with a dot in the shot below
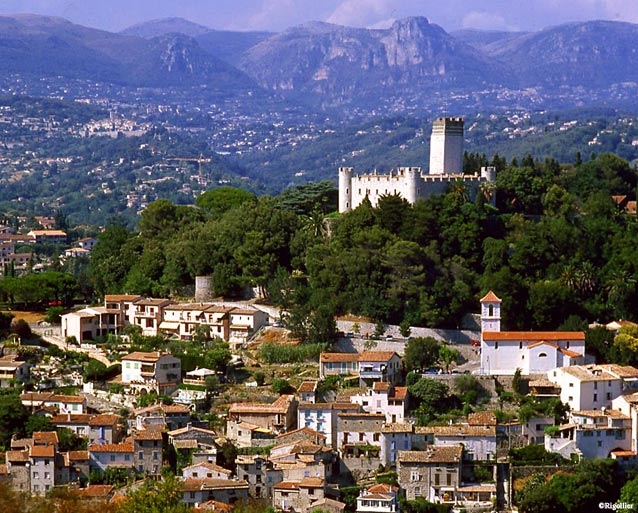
(534, 352)
(411, 183)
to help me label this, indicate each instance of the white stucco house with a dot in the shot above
(533, 352)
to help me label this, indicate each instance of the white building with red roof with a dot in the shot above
(533, 352)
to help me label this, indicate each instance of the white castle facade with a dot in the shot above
(446, 166)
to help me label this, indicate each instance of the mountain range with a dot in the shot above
(412, 64)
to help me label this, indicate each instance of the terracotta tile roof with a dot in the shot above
(287, 485)
(338, 406)
(482, 418)
(589, 372)
(338, 357)
(623, 371)
(120, 448)
(96, 491)
(104, 419)
(383, 488)
(42, 451)
(213, 505)
(147, 434)
(281, 405)
(622, 453)
(491, 297)
(209, 466)
(141, 356)
(305, 430)
(381, 386)
(175, 408)
(149, 301)
(367, 416)
(307, 387)
(45, 437)
(71, 418)
(311, 482)
(398, 393)
(397, 428)
(490, 487)
(17, 456)
(68, 398)
(614, 414)
(121, 297)
(433, 454)
(190, 429)
(193, 485)
(530, 336)
(78, 455)
(377, 356)
(463, 430)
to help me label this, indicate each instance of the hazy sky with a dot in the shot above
(276, 15)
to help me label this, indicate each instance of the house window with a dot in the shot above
(595, 398)
(361, 437)
(542, 355)
(437, 479)
(417, 491)
(415, 476)
(496, 345)
(375, 437)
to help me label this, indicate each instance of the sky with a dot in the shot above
(277, 15)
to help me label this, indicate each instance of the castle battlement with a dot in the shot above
(410, 182)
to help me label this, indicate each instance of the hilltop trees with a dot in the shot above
(557, 247)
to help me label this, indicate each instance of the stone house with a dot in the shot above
(434, 474)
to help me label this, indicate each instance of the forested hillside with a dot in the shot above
(556, 248)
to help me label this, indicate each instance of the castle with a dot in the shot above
(446, 166)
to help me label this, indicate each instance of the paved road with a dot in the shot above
(50, 335)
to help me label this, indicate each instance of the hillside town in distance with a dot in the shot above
(216, 399)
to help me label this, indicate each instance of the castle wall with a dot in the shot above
(446, 166)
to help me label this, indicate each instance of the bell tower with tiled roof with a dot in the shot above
(490, 312)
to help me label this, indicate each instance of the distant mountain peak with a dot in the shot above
(161, 26)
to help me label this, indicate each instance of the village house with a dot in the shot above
(275, 418)
(201, 490)
(151, 372)
(369, 366)
(502, 352)
(379, 498)
(98, 429)
(434, 474)
(244, 323)
(13, 370)
(148, 314)
(207, 470)
(591, 434)
(103, 456)
(592, 387)
(48, 236)
(253, 468)
(298, 496)
(394, 438)
(62, 403)
(182, 320)
(383, 397)
(359, 443)
(323, 417)
(307, 391)
(160, 417)
(148, 447)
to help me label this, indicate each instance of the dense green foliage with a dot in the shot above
(591, 482)
(555, 248)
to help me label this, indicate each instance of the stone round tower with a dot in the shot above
(345, 189)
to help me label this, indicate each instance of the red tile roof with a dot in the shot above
(490, 297)
(535, 336)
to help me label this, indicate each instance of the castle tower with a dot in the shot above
(446, 146)
(345, 189)
(490, 313)
(411, 184)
